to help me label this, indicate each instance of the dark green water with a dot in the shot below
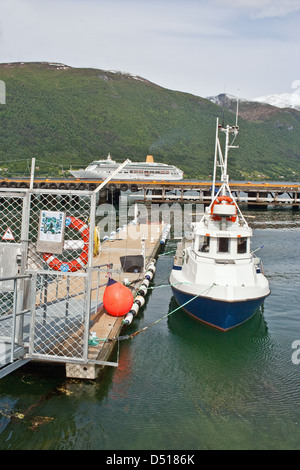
(180, 384)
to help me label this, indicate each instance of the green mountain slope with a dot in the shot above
(64, 116)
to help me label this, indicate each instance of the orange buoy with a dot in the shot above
(117, 299)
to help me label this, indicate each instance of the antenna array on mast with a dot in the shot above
(220, 160)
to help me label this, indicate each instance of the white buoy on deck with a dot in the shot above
(139, 300)
(165, 234)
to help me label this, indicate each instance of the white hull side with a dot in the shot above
(226, 293)
(93, 175)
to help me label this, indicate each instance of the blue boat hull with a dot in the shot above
(218, 314)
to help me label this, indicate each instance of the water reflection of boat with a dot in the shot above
(215, 277)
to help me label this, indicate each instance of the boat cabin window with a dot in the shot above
(204, 244)
(223, 245)
(242, 245)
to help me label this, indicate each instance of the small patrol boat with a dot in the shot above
(215, 277)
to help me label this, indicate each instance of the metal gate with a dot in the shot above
(45, 298)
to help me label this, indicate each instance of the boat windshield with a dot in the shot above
(227, 245)
(242, 245)
(203, 243)
(223, 245)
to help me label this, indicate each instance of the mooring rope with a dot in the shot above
(167, 253)
(95, 341)
(167, 285)
(122, 338)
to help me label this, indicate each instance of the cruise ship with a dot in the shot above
(101, 169)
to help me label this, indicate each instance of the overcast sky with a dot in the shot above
(205, 47)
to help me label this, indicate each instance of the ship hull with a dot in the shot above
(90, 175)
(223, 315)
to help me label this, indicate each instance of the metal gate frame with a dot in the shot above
(29, 285)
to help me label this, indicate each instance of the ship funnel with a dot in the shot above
(149, 159)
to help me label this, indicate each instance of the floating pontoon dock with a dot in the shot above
(129, 242)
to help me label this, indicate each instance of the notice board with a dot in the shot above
(51, 232)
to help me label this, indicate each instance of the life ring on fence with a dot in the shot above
(82, 259)
(225, 201)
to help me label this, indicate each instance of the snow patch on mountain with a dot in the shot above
(222, 97)
(281, 100)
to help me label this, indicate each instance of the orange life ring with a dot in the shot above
(218, 200)
(82, 259)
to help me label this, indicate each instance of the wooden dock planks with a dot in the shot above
(132, 241)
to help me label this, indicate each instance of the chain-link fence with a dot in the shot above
(58, 294)
(58, 323)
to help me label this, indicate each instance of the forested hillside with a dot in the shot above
(66, 117)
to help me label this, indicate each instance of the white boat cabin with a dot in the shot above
(220, 244)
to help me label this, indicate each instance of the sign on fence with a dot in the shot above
(51, 232)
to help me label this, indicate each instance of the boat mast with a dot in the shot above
(219, 160)
(224, 176)
(215, 162)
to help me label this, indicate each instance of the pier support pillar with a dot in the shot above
(83, 371)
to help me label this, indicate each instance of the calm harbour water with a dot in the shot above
(180, 385)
